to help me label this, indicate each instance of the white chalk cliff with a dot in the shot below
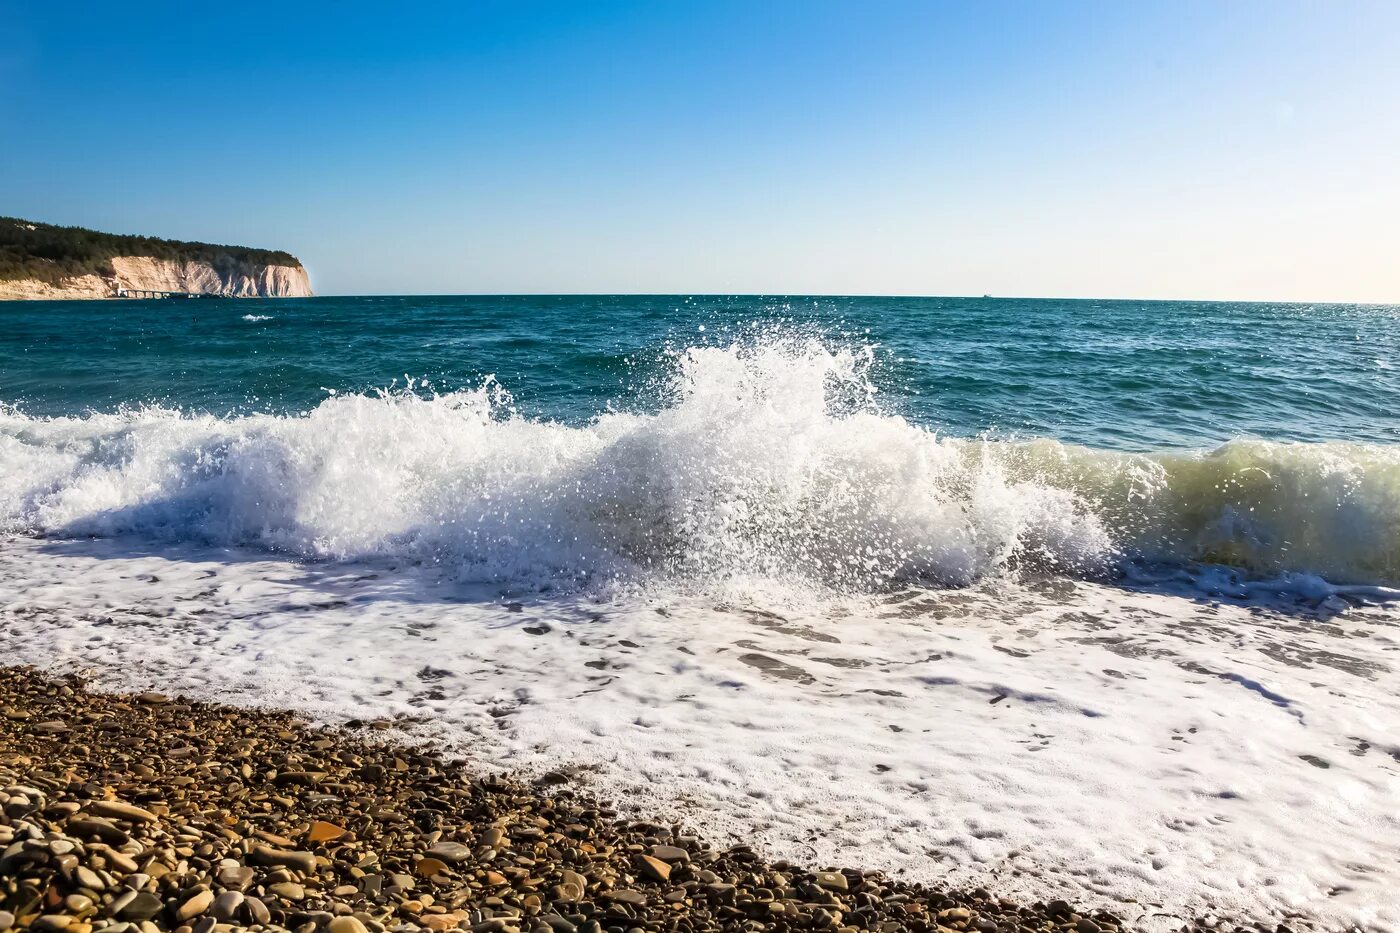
(232, 279)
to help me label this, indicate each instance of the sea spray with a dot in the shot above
(765, 460)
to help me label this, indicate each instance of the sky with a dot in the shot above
(1215, 150)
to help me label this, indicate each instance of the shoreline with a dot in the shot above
(146, 812)
(648, 714)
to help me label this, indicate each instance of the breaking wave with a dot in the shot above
(768, 460)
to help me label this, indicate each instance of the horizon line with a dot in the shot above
(911, 295)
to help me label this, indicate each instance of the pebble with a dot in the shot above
(88, 878)
(322, 831)
(257, 911)
(226, 905)
(654, 868)
(428, 867)
(626, 896)
(194, 905)
(346, 924)
(670, 854)
(78, 904)
(450, 852)
(116, 810)
(235, 877)
(303, 862)
(143, 906)
(288, 891)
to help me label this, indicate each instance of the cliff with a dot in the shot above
(42, 261)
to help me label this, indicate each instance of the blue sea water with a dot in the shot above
(1127, 375)
(949, 437)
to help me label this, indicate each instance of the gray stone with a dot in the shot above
(236, 877)
(226, 905)
(303, 862)
(120, 901)
(288, 891)
(627, 896)
(143, 906)
(87, 878)
(450, 852)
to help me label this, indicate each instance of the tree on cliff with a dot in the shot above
(49, 253)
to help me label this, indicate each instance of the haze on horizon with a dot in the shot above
(1090, 149)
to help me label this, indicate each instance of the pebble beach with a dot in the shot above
(122, 813)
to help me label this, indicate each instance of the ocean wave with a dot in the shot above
(770, 460)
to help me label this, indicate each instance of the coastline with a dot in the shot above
(127, 812)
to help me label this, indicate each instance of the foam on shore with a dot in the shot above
(1161, 756)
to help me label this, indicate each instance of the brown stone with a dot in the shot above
(321, 831)
(441, 922)
(654, 868)
(346, 924)
(116, 810)
(428, 866)
(194, 906)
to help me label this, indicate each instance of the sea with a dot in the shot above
(1085, 599)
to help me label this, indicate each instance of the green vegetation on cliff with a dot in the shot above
(48, 253)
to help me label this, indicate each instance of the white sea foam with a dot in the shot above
(1163, 757)
(257, 317)
(769, 461)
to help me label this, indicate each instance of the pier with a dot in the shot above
(151, 293)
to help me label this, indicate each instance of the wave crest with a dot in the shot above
(769, 460)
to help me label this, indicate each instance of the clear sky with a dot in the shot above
(1113, 149)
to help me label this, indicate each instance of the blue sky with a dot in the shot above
(1177, 149)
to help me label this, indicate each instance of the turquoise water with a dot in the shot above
(1113, 374)
(850, 442)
